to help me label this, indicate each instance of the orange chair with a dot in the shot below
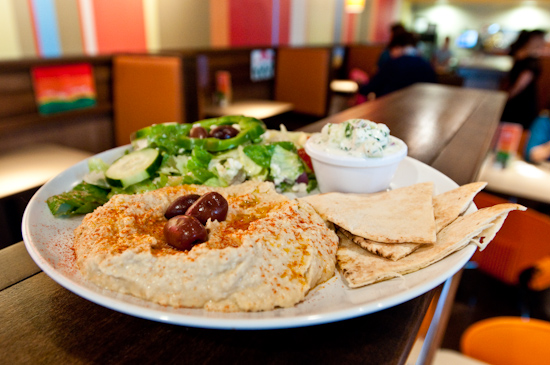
(508, 341)
(523, 242)
(540, 278)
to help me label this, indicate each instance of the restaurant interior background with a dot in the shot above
(53, 32)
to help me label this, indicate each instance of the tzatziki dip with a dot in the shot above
(355, 156)
(359, 138)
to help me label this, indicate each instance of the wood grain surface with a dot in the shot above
(43, 321)
(446, 127)
(16, 265)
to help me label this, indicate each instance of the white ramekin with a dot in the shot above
(348, 174)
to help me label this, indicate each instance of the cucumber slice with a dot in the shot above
(133, 167)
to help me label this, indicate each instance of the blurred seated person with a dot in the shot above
(395, 29)
(404, 68)
(538, 147)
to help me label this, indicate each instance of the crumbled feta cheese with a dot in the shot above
(229, 169)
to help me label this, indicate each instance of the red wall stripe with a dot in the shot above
(120, 26)
(250, 22)
(350, 21)
(383, 10)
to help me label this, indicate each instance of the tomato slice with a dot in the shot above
(306, 158)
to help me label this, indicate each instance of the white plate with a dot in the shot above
(49, 242)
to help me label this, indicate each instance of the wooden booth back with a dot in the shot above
(237, 62)
(364, 57)
(147, 90)
(21, 123)
(302, 77)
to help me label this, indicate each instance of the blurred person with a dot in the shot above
(395, 29)
(521, 106)
(404, 68)
(538, 146)
(441, 59)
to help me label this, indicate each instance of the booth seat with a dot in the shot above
(146, 90)
(302, 78)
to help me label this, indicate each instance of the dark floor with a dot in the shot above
(480, 296)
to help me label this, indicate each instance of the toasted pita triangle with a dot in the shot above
(400, 215)
(391, 251)
(360, 267)
(447, 207)
(451, 204)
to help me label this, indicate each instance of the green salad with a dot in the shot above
(215, 152)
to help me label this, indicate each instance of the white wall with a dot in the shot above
(452, 19)
(9, 43)
(320, 21)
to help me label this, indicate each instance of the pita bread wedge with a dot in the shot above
(447, 207)
(391, 251)
(361, 268)
(400, 215)
(453, 203)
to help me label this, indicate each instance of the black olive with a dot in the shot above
(184, 231)
(211, 205)
(198, 132)
(224, 132)
(180, 205)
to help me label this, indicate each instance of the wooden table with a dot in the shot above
(261, 109)
(344, 86)
(43, 322)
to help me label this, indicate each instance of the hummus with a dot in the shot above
(268, 253)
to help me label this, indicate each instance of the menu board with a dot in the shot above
(61, 88)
